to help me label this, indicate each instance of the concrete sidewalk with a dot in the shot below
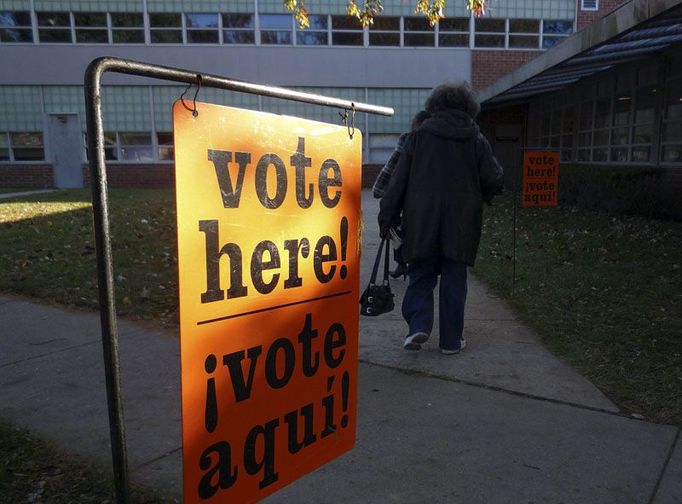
(503, 422)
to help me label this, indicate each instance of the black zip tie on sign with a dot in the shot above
(194, 110)
(345, 120)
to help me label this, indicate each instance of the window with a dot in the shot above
(27, 146)
(202, 28)
(110, 146)
(671, 144)
(164, 141)
(54, 27)
(346, 31)
(524, 33)
(489, 32)
(385, 31)
(127, 28)
(585, 117)
(554, 31)
(91, 27)
(15, 26)
(417, 32)
(238, 29)
(453, 32)
(136, 147)
(165, 28)
(4, 147)
(589, 5)
(316, 33)
(275, 29)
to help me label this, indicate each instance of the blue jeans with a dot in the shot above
(418, 301)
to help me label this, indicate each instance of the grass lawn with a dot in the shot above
(34, 471)
(603, 291)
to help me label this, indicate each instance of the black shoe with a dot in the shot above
(399, 271)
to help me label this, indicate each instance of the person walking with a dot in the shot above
(382, 180)
(443, 175)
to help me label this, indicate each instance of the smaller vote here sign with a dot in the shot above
(540, 178)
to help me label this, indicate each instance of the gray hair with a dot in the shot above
(453, 96)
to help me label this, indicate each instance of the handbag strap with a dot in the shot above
(386, 260)
(377, 260)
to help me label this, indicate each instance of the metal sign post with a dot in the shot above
(98, 181)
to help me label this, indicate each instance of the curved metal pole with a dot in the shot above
(98, 182)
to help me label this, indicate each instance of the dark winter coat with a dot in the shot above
(445, 173)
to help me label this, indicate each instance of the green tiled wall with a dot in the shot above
(405, 102)
(65, 99)
(20, 108)
(88, 5)
(126, 108)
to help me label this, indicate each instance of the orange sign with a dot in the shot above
(540, 178)
(268, 213)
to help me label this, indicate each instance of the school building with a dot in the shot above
(546, 76)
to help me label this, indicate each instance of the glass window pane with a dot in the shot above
(140, 154)
(642, 134)
(586, 115)
(238, 37)
(583, 154)
(489, 40)
(601, 137)
(640, 154)
(165, 19)
(345, 23)
(672, 132)
(239, 20)
(489, 25)
(524, 41)
(128, 36)
(202, 20)
(166, 153)
(202, 37)
(452, 40)
(164, 138)
(311, 38)
(26, 139)
(275, 21)
(317, 23)
(54, 19)
(524, 26)
(584, 139)
(602, 113)
(4, 154)
(672, 154)
(166, 36)
(347, 38)
(3, 139)
(28, 154)
(549, 42)
(55, 35)
(92, 36)
(275, 37)
(126, 19)
(418, 24)
(454, 24)
(90, 19)
(419, 39)
(599, 155)
(16, 35)
(619, 155)
(557, 26)
(135, 138)
(621, 110)
(15, 18)
(620, 136)
(384, 39)
(385, 23)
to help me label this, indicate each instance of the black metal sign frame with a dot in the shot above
(98, 183)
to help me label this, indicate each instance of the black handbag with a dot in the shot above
(378, 299)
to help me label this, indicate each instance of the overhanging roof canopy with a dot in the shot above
(634, 31)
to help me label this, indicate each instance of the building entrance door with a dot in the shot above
(66, 145)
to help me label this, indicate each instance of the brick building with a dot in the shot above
(45, 46)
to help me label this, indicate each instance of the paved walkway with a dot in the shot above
(503, 422)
